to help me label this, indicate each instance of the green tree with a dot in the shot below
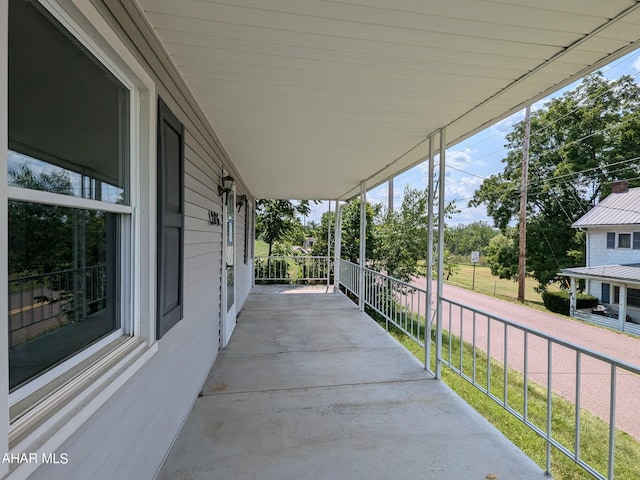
(321, 233)
(464, 239)
(580, 143)
(403, 237)
(350, 245)
(502, 254)
(278, 220)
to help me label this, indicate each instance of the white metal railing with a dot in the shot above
(476, 344)
(349, 278)
(291, 268)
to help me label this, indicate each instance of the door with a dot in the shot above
(229, 262)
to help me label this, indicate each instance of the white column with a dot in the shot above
(572, 297)
(622, 307)
(441, 207)
(363, 243)
(429, 273)
(337, 249)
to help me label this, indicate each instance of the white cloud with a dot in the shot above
(459, 158)
(461, 188)
(636, 64)
(470, 215)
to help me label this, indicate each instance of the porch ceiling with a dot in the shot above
(310, 97)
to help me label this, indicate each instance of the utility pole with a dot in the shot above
(390, 192)
(522, 256)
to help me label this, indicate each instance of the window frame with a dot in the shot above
(627, 235)
(611, 240)
(83, 22)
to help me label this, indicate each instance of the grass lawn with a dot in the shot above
(262, 248)
(487, 284)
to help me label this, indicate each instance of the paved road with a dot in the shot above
(596, 376)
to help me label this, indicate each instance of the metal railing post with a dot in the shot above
(337, 248)
(328, 264)
(428, 318)
(441, 206)
(363, 243)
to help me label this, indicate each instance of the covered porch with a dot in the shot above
(311, 387)
(619, 300)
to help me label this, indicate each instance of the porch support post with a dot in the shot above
(441, 207)
(572, 297)
(363, 243)
(622, 307)
(337, 249)
(329, 247)
(428, 317)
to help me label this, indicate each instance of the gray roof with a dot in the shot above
(625, 273)
(616, 209)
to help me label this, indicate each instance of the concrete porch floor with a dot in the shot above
(309, 387)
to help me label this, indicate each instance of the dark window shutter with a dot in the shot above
(605, 294)
(170, 220)
(611, 240)
(636, 240)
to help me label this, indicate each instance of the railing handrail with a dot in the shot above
(57, 272)
(293, 256)
(288, 268)
(565, 343)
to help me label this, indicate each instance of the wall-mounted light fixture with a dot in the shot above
(241, 202)
(227, 185)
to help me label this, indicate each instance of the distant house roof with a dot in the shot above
(626, 273)
(616, 209)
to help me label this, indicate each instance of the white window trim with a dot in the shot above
(85, 393)
(60, 200)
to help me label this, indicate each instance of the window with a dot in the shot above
(605, 293)
(633, 297)
(611, 240)
(69, 196)
(636, 240)
(624, 240)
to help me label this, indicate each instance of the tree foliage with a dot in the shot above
(403, 237)
(350, 245)
(321, 235)
(474, 237)
(580, 143)
(502, 254)
(277, 220)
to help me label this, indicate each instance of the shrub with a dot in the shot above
(559, 301)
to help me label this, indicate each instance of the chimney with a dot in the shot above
(620, 186)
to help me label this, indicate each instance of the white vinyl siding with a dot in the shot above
(599, 252)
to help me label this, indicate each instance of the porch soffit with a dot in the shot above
(311, 97)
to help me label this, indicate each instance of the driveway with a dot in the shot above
(596, 376)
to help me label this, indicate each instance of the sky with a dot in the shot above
(469, 162)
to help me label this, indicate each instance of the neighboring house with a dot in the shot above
(612, 271)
